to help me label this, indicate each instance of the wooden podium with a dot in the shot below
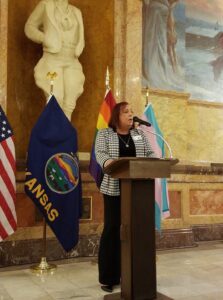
(138, 248)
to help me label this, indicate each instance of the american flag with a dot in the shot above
(8, 219)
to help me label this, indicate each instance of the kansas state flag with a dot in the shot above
(52, 177)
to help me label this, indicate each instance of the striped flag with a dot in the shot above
(161, 191)
(103, 120)
(8, 219)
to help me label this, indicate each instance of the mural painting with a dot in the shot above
(183, 47)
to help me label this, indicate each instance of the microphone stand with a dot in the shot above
(162, 138)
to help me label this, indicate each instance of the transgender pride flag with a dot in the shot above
(161, 192)
(103, 120)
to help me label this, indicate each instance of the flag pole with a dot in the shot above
(51, 76)
(43, 266)
(147, 96)
(107, 79)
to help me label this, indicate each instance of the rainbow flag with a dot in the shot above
(103, 120)
(161, 191)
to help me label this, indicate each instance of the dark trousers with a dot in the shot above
(109, 262)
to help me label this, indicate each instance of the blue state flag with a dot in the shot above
(53, 177)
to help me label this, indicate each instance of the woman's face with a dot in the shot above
(126, 117)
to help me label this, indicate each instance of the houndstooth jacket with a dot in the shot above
(107, 147)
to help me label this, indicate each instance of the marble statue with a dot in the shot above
(58, 26)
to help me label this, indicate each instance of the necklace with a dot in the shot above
(125, 143)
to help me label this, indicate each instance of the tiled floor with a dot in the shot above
(189, 274)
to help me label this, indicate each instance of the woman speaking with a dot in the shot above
(120, 139)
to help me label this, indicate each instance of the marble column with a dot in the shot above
(119, 49)
(128, 57)
(3, 52)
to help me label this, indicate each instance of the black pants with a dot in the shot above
(109, 261)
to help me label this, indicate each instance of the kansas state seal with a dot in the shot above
(62, 173)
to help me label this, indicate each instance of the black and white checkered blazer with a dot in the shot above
(107, 147)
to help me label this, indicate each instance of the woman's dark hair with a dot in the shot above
(114, 120)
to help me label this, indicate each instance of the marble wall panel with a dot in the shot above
(194, 131)
(206, 202)
(25, 210)
(200, 200)
(205, 132)
(171, 111)
(175, 204)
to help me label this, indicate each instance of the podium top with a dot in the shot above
(140, 167)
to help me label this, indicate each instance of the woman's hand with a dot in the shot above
(108, 162)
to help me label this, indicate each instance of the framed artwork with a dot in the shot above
(183, 47)
(86, 208)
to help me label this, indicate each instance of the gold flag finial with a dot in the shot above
(107, 79)
(51, 76)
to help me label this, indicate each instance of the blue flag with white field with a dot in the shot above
(53, 176)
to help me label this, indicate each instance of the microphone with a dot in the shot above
(165, 142)
(140, 121)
